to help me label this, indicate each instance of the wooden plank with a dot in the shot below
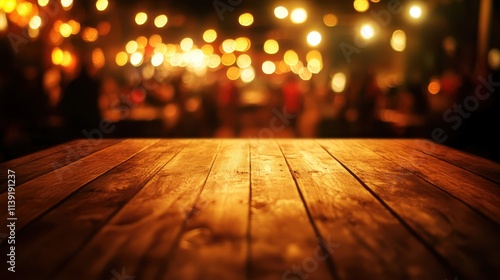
(40, 154)
(283, 242)
(374, 243)
(214, 242)
(66, 228)
(480, 166)
(465, 239)
(61, 158)
(39, 195)
(481, 194)
(139, 238)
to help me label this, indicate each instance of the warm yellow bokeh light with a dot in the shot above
(207, 49)
(398, 40)
(298, 15)
(290, 57)
(367, 31)
(141, 18)
(101, 5)
(90, 34)
(43, 3)
(247, 75)
(121, 58)
(415, 11)
(213, 61)
(155, 40)
(233, 73)
(314, 65)
(209, 35)
(157, 59)
(434, 86)
(305, 74)
(271, 46)
(186, 44)
(268, 67)
(313, 38)
(67, 59)
(9, 6)
(3, 22)
(281, 12)
(75, 27)
(228, 59)
(246, 19)
(494, 58)
(67, 4)
(242, 44)
(131, 47)
(136, 59)
(35, 22)
(161, 21)
(361, 5)
(338, 83)
(244, 61)
(142, 42)
(24, 9)
(65, 30)
(228, 46)
(57, 56)
(330, 20)
(98, 59)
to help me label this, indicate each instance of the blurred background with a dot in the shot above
(238, 68)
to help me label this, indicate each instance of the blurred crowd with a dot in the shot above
(45, 108)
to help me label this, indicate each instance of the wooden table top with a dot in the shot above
(253, 209)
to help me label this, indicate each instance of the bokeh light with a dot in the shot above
(141, 18)
(121, 58)
(228, 45)
(246, 19)
(398, 40)
(98, 59)
(209, 35)
(186, 44)
(161, 21)
(434, 86)
(298, 15)
(35, 22)
(338, 83)
(290, 57)
(494, 58)
(101, 5)
(136, 59)
(268, 67)
(90, 34)
(271, 46)
(233, 73)
(367, 31)
(280, 12)
(361, 5)
(247, 75)
(415, 11)
(313, 38)
(244, 61)
(330, 20)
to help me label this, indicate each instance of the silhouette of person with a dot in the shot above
(79, 104)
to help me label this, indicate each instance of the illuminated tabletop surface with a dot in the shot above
(251, 209)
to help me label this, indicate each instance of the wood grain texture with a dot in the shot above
(282, 239)
(349, 214)
(444, 223)
(141, 235)
(67, 228)
(255, 209)
(69, 154)
(481, 194)
(40, 154)
(37, 196)
(214, 242)
(480, 166)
